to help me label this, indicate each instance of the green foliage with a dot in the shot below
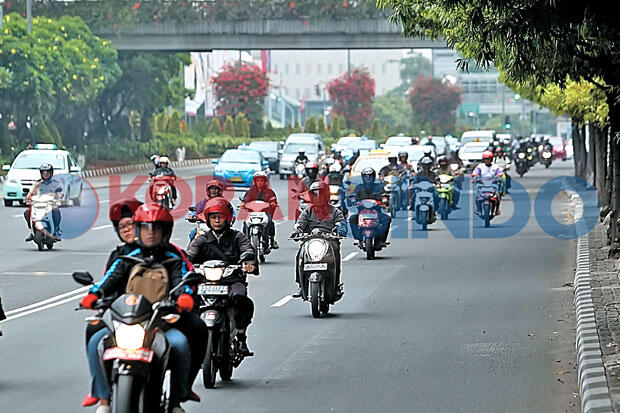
(321, 125)
(375, 129)
(335, 129)
(310, 125)
(433, 105)
(268, 128)
(342, 123)
(229, 126)
(412, 66)
(391, 110)
(242, 128)
(174, 123)
(296, 127)
(216, 127)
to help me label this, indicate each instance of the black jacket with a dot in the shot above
(118, 252)
(162, 171)
(308, 220)
(228, 248)
(114, 281)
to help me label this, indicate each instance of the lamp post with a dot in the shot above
(29, 14)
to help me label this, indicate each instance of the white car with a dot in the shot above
(397, 142)
(471, 154)
(24, 172)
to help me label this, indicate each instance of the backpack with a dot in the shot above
(149, 281)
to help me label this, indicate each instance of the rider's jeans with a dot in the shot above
(179, 365)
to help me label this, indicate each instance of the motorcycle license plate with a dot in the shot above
(115, 353)
(236, 179)
(209, 289)
(447, 186)
(487, 189)
(315, 266)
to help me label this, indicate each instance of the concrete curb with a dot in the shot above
(92, 173)
(592, 380)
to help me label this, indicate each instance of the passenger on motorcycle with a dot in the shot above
(324, 216)
(393, 168)
(328, 163)
(46, 185)
(164, 170)
(443, 168)
(487, 170)
(503, 162)
(223, 242)
(152, 228)
(370, 188)
(403, 158)
(260, 191)
(301, 156)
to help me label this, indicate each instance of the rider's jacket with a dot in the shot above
(388, 169)
(310, 219)
(227, 246)
(372, 191)
(118, 252)
(116, 276)
(163, 171)
(484, 171)
(265, 195)
(427, 176)
(47, 186)
(300, 158)
(444, 170)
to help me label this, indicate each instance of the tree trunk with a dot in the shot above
(614, 118)
(591, 154)
(579, 149)
(600, 167)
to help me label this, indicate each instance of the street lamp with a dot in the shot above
(475, 118)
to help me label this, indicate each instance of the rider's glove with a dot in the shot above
(89, 300)
(185, 302)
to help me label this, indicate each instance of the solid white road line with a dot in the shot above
(78, 291)
(33, 273)
(350, 256)
(283, 301)
(45, 307)
(18, 215)
(101, 227)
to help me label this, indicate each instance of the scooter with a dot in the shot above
(424, 192)
(521, 163)
(255, 226)
(135, 354)
(546, 158)
(369, 226)
(218, 313)
(445, 191)
(318, 270)
(160, 190)
(41, 225)
(487, 199)
(392, 189)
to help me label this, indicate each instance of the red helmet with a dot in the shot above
(215, 183)
(155, 216)
(499, 149)
(124, 208)
(312, 165)
(487, 155)
(221, 207)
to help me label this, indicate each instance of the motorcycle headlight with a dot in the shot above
(213, 274)
(547, 155)
(521, 155)
(454, 166)
(316, 249)
(129, 337)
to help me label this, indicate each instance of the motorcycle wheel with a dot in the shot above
(424, 222)
(370, 250)
(521, 174)
(209, 368)
(486, 213)
(126, 395)
(325, 308)
(314, 293)
(226, 364)
(255, 241)
(547, 165)
(49, 245)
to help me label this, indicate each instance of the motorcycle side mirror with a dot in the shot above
(192, 278)
(192, 209)
(247, 256)
(82, 277)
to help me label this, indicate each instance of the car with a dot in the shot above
(348, 145)
(471, 154)
(238, 166)
(559, 147)
(397, 141)
(315, 151)
(375, 159)
(477, 136)
(270, 151)
(453, 142)
(24, 172)
(442, 147)
(303, 137)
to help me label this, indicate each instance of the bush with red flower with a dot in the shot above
(241, 88)
(352, 96)
(434, 105)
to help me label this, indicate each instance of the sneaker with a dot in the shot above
(243, 348)
(30, 238)
(274, 244)
(89, 401)
(298, 294)
(193, 397)
(103, 409)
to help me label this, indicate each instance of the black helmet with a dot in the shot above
(403, 154)
(368, 175)
(426, 163)
(442, 159)
(46, 167)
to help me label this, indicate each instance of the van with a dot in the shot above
(477, 136)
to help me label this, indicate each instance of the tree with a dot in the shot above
(215, 128)
(241, 88)
(229, 126)
(375, 130)
(391, 109)
(412, 66)
(242, 129)
(335, 129)
(174, 123)
(321, 124)
(433, 104)
(352, 96)
(310, 126)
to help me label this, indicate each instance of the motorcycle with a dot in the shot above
(487, 199)
(218, 313)
(445, 190)
(369, 226)
(136, 352)
(255, 227)
(521, 163)
(300, 170)
(392, 190)
(458, 176)
(201, 226)
(423, 206)
(41, 207)
(317, 270)
(547, 157)
(160, 190)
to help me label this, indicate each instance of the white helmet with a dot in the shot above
(164, 159)
(336, 167)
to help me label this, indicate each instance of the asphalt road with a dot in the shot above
(437, 324)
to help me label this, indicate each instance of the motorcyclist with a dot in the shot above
(370, 188)
(312, 175)
(260, 191)
(393, 168)
(222, 242)
(503, 162)
(324, 216)
(429, 142)
(301, 156)
(337, 155)
(152, 228)
(426, 173)
(46, 185)
(328, 163)
(487, 169)
(403, 158)
(443, 168)
(164, 170)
